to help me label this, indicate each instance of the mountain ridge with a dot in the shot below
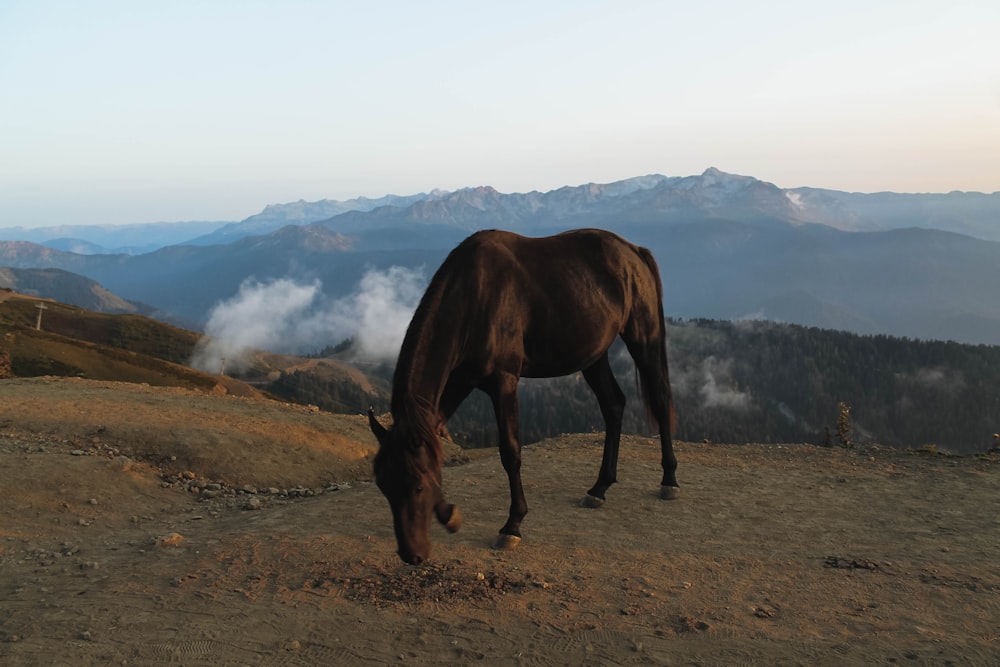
(729, 247)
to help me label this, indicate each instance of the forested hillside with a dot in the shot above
(766, 382)
(757, 381)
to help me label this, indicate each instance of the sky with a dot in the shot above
(144, 111)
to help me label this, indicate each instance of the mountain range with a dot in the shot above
(729, 247)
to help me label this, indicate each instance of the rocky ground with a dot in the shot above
(149, 526)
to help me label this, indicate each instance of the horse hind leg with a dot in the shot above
(651, 365)
(611, 400)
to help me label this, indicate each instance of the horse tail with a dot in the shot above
(656, 390)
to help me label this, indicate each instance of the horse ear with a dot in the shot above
(377, 428)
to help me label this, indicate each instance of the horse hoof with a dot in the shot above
(669, 492)
(455, 522)
(592, 502)
(507, 542)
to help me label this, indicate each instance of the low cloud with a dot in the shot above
(716, 388)
(287, 316)
(711, 382)
(941, 378)
(381, 310)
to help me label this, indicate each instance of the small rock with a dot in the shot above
(171, 540)
(78, 452)
(253, 503)
(293, 645)
(123, 463)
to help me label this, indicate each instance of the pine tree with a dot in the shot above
(844, 425)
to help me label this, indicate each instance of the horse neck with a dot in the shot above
(425, 364)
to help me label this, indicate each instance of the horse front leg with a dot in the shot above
(611, 400)
(504, 396)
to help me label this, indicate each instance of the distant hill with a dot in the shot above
(971, 213)
(131, 239)
(66, 287)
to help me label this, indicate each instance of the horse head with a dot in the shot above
(408, 472)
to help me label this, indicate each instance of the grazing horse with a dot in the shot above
(502, 307)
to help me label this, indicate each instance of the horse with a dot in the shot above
(501, 307)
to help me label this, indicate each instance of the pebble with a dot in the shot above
(218, 490)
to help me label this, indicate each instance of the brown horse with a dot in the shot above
(502, 307)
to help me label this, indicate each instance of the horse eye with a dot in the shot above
(419, 489)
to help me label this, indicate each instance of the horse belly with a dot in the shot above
(555, 356)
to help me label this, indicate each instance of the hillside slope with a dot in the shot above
(75, 342)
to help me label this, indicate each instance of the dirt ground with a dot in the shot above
(147, 526)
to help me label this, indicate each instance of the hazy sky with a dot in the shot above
(143, 110)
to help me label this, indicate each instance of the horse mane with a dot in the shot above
(416, 422)
(417, 413)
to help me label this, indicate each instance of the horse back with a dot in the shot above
(555, 304)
